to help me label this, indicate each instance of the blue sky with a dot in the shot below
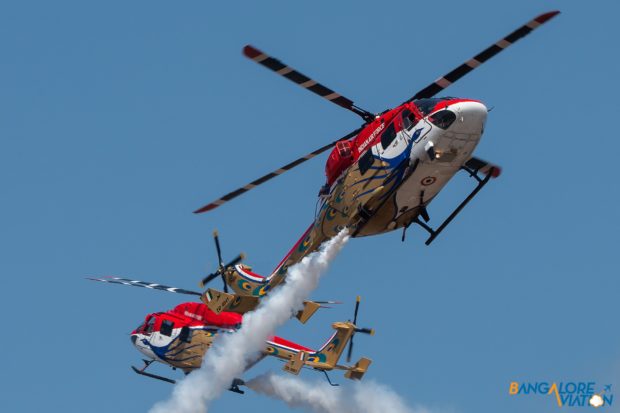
(119, 119)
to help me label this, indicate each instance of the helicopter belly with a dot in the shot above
(429, 178)
(452, 150)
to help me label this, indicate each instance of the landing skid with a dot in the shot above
(142, 372)
(435, 232)
(234, 387)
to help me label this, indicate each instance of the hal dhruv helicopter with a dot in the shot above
(382, 176)
(181, 337)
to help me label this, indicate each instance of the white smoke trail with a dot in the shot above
(320, 397)
(231, 354)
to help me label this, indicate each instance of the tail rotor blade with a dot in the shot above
(236, 260)
(357, 307)
(216, 238)
(350, 351)
(209, 278)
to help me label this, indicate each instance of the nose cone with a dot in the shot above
(471, 117)
(133, 339)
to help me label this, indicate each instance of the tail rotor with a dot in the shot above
(369, 331)
(221, 270)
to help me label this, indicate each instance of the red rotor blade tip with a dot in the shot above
(205, 208)
(547, 16)
(251, 51)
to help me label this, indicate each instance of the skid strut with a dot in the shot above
(435, 232)
(142, 372)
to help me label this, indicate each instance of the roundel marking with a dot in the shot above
(271, 350)
(429, 180)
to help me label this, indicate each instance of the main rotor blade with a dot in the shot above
(144, 284)
(273, 174)
(451, 77)
(304, 81)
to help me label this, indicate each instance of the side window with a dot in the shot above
(388, 136)
(166, 328)
(186, 334)
(366, 161)
(409, 119)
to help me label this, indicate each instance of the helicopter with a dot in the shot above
(381, 177)
(180, 338)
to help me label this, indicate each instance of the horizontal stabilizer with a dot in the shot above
(218, 301)
(295, 364)
(479, 165)
(308, 311)
(358, 370)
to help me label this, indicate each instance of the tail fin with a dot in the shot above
(327, 357)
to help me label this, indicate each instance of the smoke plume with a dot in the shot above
(320, 397)
(232, 353)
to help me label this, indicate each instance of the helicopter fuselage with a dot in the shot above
(394, 173)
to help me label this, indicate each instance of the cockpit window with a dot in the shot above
(149, 325)
(443, 119)
(388, 136)
(426, 106)
(166, 327)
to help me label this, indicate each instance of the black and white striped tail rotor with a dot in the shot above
(271, 175)
(304, 81)
(451, 77)
(144, 284)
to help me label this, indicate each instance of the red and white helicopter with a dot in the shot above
(380, 177)
(180, 338)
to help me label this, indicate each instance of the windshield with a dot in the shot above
(426, 106)
(147, 326)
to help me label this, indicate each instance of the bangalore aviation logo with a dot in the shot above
(566, 394)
